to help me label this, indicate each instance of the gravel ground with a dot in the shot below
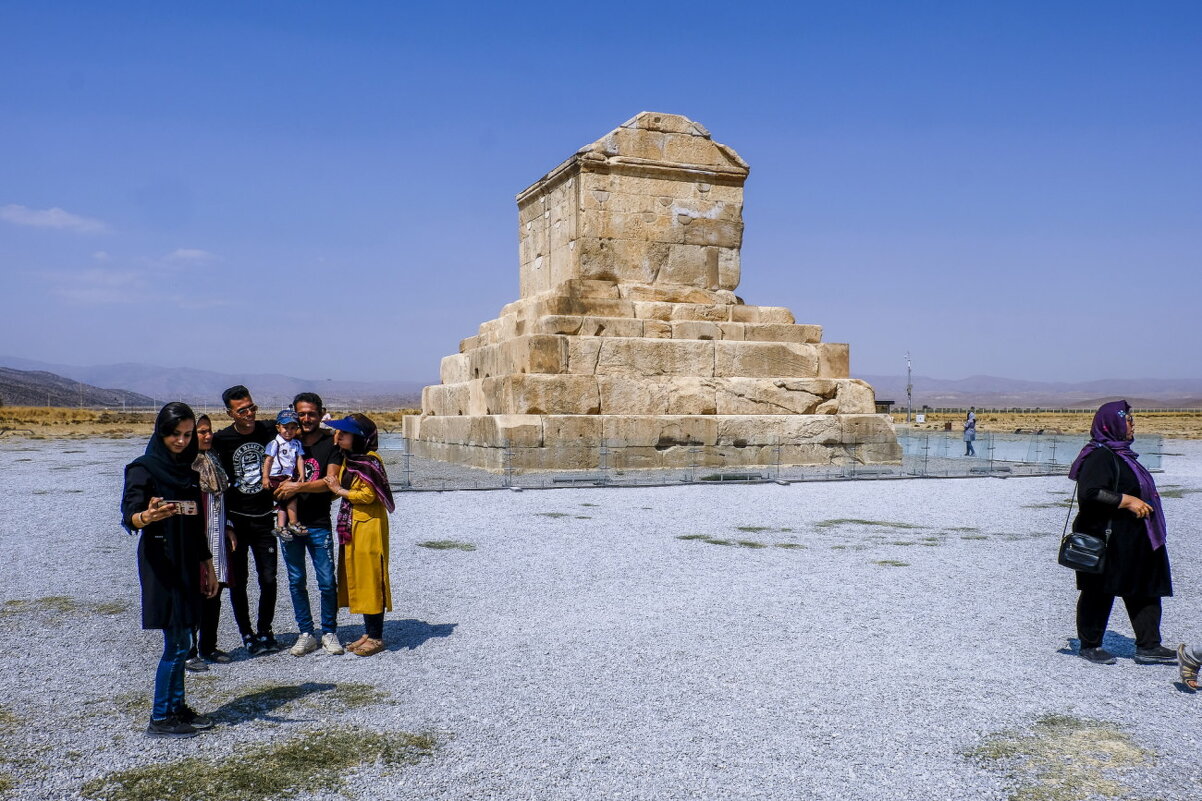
(584, 650)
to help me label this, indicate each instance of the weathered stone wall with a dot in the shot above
(628, 331)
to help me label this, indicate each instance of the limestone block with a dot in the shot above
(582, 288)
(766, 396)
(834, 360)
(650, 310)
(691, 264)
(766, 359)
(411, 425)
(622, 395)
(692, 396)
(582, 354)
(716, 233)
(446, 428)
(777, 332)
(621, 260)
(610, 327)
(537, 353)
(469, 343)
(856, 397)
(575, 430)
(700, 311)
(446, 399)
(657, 329)
(659, 431)
(865, 428)
(776, 314)
(730, 270)
(500, 430)
(454, 369)
(782, 429)
(744, 314)
(827, 407)
(650, 357)
(675, 293)
(733, 331)
(693, 329)
(594, 307)
(542, 394)
(558, 324)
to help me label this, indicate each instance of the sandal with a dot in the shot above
(359, 643)
(370, 648)
(1187, 667)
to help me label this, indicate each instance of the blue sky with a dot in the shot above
(1003, 188)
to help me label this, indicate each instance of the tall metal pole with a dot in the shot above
(909, 390)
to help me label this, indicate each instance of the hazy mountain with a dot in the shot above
(40, 388)
(985, 390)
(194, 386)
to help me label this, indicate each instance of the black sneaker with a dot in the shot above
(1099, 656)
(252, 644)
(1155, 656)
(267, 643)
(191, 717)
(195, 664)
(170, 726)
(218, 656)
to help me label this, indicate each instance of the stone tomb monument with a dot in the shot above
(628, 332)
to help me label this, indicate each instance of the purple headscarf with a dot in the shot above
(1109, 430)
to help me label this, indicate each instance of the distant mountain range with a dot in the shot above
(157, 385)
(145, 385)
(39, 388)
(991, 391)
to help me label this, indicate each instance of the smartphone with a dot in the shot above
(185, 507)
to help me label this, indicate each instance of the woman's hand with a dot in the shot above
(157, 511)
(334, 485)
(1135, 506)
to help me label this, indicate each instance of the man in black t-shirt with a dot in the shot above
(249, 510)
(313, 512)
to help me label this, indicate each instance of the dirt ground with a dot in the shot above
(1175, 425)
(39, 422)
(42, 422)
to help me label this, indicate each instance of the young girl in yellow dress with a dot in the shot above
(362, 528)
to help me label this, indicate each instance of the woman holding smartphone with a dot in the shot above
(175, 567)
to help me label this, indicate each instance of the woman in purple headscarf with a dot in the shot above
(1113, 487)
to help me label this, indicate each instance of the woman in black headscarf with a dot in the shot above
(175, 567)
(1115, 491)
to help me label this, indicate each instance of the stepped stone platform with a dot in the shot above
(628, 342)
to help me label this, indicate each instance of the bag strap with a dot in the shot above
(1073, 497)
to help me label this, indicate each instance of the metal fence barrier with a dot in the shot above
(934, 454)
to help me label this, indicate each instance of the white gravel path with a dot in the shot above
(583, 651)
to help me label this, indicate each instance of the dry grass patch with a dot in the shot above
(855, 521)
(318, 761)
(1064, 758)
(891, 563)
(446, 545)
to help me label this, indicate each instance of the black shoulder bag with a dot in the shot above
(1086, 553)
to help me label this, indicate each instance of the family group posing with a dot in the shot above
(204, 502)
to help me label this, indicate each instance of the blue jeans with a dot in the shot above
(320, 546)
(169, 678)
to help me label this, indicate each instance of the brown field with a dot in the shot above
(49, 422)
(1176, 425)
(40, 422)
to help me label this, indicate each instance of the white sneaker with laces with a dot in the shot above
(305, 644)
(329, 641)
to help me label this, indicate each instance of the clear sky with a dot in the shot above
(327, 189)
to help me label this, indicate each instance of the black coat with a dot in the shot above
(170, 553)
(1132, 567)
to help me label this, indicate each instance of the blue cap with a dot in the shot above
(285, 417)
(348, 425)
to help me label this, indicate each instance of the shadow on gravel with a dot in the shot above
(1120, 645)
(404, 634)
(262, 704)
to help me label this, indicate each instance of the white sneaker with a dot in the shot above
(329, 641)
(305, 644)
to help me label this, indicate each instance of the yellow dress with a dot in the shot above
(363, 562)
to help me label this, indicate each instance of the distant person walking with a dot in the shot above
(970, 432)
(362, 528)
(312, 496)
(213, 484)
(175, 569)
(249, 507)
(1115, 491)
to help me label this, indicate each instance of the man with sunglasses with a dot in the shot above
(250, 511)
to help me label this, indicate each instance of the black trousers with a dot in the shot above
(1093, 613)
(204, 637)
(253, 535)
